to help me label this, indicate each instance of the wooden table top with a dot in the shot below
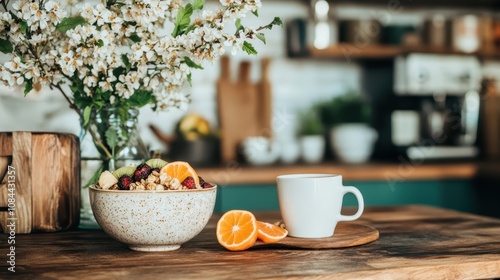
(415, 242)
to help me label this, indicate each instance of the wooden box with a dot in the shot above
(40, 175)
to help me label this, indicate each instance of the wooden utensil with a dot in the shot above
(46, 186)
(346, 235)
(244, 108)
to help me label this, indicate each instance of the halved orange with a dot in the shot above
(180, 170)
(269, 233)
(237, 230)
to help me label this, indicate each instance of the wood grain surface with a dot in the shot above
(347, 234)
(375, 171)
(47, 181)
(416, 242)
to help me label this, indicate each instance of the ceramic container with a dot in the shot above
(260, 150)
(353, 143)
(313, 148)
(152, 220)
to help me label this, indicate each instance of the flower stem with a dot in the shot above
(92, 132)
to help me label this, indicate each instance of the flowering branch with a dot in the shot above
(119, 54)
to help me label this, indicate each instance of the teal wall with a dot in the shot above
(452, 194)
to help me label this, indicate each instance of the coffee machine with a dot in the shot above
(426, 106)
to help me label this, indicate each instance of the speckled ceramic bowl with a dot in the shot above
(153, 220)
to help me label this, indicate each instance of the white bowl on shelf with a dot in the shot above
(353, 143)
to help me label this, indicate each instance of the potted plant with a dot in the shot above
(312, 141)
(351, 136)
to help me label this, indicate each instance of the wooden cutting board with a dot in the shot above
(346, 235)
(244, 108)
(45, 183)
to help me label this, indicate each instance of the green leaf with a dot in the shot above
(100, 43)
(276, 21)
(198, 4)
(28, 87)
(183, 19)
(93, 180)
(23, 26)
(261, 37)
(126, 62)
(86, 115)
(189, 28)
(111, 138)
(70, 23)
(238, 26)
(255, 13)
(140, 98)
(189, 79)
(135, 38)
(191, 63)
(248, 48)
(5, 46)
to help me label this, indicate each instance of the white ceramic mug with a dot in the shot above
(311, 204)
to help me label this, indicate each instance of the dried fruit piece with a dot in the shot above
(125, 170)
(180, 170)
(237, 230)
(141, 172)
(206, 185)
(201, 180)
(107, 180)
(124, 182)
(156, 163)
(269, 233)
(189, 183)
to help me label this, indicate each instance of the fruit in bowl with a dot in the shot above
(155, 206)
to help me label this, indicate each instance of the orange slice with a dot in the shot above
(237, 230)
(180, 170)
(269, 233)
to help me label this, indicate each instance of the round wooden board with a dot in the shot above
(346, 235)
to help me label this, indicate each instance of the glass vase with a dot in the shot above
(110, 141)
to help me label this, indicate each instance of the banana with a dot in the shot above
(107, 180)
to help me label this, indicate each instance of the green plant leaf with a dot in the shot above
(5, 46)
(100, 43)
(276, 21)
(248, 48)
(189, 79)
(183, 19)
(126, 62)
(140, 98)
(93, 180)
(255, 13)
(70, 23)
(28, 87)
(86, 115)
(261, 37)
(23, 26)
(238, 26)
(112, 138)
(135, 38)
(191, 63)
(198, 4)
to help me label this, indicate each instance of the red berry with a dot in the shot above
(189, 183)
(201, 180)
(141, 172)
(206, 185)
(124, 182)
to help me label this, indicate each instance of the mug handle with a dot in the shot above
(361, 203)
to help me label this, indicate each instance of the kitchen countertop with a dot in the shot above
(236, 173)
(415, 242)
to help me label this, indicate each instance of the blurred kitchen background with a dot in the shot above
(398, 96)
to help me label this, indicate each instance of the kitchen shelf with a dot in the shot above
(350, 52)
(239, 174)
(477, 4)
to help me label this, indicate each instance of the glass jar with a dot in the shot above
(111, 141)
